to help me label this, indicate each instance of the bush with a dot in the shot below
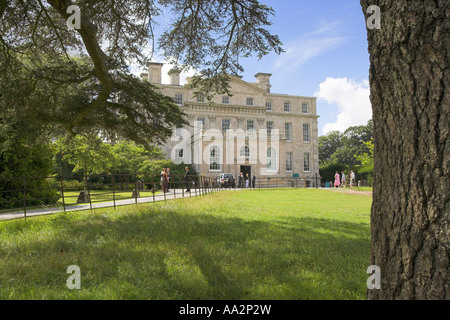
(25, 166)
(364, 173)
(328, 170)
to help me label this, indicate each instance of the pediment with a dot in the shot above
(240, 86)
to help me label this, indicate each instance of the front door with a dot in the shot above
(246, 170)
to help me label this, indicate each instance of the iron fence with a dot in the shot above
(28, 196)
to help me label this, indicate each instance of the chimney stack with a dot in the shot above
(263, 81)
(154, 72)
(174, 77)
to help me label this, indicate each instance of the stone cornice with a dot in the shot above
(297, 115)
(225, 108)
(230, 108)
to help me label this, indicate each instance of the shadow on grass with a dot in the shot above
(170, 255)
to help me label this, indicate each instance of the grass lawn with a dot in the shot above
(261, 244)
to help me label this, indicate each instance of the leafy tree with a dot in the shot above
(89, 154)
(130, 157)
(337, 147)
(365, 170)
(24, 166)
(329, 144)
(79, 79)
(366, 159)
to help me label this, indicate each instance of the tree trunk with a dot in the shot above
(409, 85)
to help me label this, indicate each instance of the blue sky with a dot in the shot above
(326, 56)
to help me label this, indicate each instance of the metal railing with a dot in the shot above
(26, 196)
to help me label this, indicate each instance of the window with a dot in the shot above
(197, 159)
(249, 101)
(250, 125)
(268, 105)
(306, 162)
(226, 124)
(288, 131)
(179, 99)
(271, 159)
(245, 152)
(200, 98)
(200, 125)
(305, 132)
(179, 153)
(269, 127)
(214, 159)
(289, 157)
(304, 108)
(226, 100)
(287, 106)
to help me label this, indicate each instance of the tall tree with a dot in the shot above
(409, 86)
(329, 144)
(80, 78)
(87, 153)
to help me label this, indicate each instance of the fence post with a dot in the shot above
(195, 185)
(153, 187)
(174, 186)
(135, 189)
(182, 186)
(114, 191)
(164, 189)
(25, 197)
(89, 193)
(62, 195)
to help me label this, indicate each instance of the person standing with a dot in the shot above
(241, 180)
(343, 179)
(352, 178)
(337, 181)
(247, 181)
(253, 181)
(168, 179)
(165, 181)
(187, 179)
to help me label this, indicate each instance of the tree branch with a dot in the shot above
(88, 33)
(3, 6)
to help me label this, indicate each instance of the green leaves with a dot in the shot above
(79, 79)
(87, 153)
(211, 36)
(350, 150)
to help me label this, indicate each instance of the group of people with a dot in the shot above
(244, 181)
(165, 179)
(166, 182)
(341, 180)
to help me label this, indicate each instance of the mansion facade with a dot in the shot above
(252, 131)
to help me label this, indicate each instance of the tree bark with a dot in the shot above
(409, 86)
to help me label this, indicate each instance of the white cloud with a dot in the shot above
(352, 100)
(308, 46)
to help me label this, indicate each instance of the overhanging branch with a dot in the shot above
(88, 33)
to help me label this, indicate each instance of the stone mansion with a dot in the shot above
(252, 131)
